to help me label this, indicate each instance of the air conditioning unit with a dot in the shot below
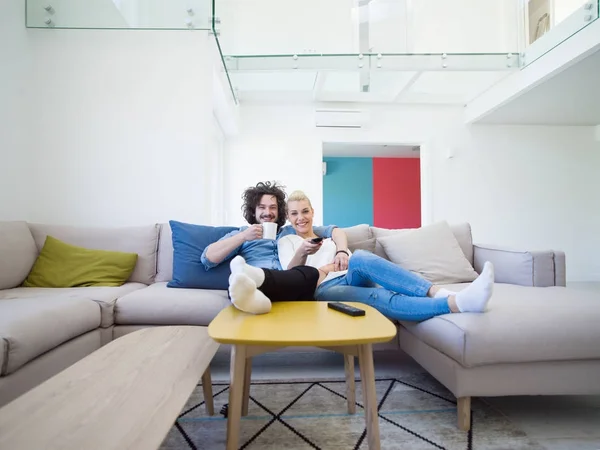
(340, 118)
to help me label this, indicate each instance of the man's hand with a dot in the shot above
(253, 232)
(341, 261)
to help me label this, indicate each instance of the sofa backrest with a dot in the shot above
(17, 253)
(142, 240)
(358, 235)
(164, 264)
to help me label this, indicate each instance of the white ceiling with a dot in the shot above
(369, 150)
(571, 97)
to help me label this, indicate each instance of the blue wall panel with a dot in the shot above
(348, 191)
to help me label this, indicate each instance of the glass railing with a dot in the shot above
(548, 23)
(120, 14)
(193, 15)
(419, 51)
(270, 27)
(380, 50)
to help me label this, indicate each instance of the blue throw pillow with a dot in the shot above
(189, 241)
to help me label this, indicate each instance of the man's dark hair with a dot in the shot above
(253, 195)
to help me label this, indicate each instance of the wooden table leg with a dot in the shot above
(247, 377)
(208, 393)
(350, 388)
(367, 371)
(236, 388)
(363, 380)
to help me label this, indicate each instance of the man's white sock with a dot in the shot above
(245, 296)
(443, 292)
(239, 265)
(476, 297)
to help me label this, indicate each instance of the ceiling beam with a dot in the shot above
(318, 84)
(402, 93)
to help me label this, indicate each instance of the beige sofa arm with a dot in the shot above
(525, 268)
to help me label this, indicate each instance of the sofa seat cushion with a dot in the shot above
(104, 296)
(160, 305)
(522, 324)
(30, 327)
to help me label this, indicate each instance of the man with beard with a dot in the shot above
(265, 202)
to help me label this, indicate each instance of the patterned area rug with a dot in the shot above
(415, 412)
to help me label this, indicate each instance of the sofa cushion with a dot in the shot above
(368, 245)
(522, 324)
(525, 268)
(164, 263)
(432, 252)
(104, 296)
(189, 242)
(141, 240)
(357, 233)
(18, 253)
(461, 231)
(160, 305)
(61, 265)
(32, 326)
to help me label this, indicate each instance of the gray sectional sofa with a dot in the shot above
(44, 330)
(538, 337)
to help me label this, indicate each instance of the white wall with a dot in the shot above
(120, 126)
(14, 70)
(273, 144)
(523, 187)
(282, 143)
(106, 127)
(527, 187)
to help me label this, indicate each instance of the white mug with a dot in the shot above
(269, 230)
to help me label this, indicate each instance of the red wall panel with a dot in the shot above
(396, 192)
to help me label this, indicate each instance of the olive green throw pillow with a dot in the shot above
(61, 265)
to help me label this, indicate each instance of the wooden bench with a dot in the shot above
(126, 395)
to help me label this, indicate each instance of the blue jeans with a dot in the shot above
(403, 295)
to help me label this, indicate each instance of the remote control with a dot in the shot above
(346, 309)
(316, 240)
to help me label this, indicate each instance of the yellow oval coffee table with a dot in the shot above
(302, 324)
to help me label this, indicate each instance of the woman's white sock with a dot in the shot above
(245, 296)
(239, 265)
(444, 293)
(476, 297)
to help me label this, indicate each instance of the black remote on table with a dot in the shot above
(346, 309)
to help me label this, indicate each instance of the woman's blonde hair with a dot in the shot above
(298, 196)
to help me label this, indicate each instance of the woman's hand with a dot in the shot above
(341, 261)
(328, 268)
(308, 247)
